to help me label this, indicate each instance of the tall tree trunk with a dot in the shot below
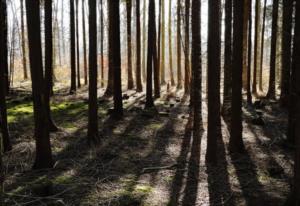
(256, 36)
(130, 84)
(93, 74)
(260, 80)
(245, 43)
(171, 45)
(236, 128)
(156, 64)
(187, 74)
(102, 43)
(228, 59)
(163, 44)
(77, 45)
(151, 47)
(139, 86)
(84, 45)
(48, 63)
(286, 50)
(144, 42)
(179, 78)
(213, 78)
(249, 62)
(72, 48)
(24, 60)
(43, 158)
(3, 67)
(272, 90)
(115, 55)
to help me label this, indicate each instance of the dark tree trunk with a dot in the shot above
(4, 47)
(3, 67)
(179, 76)
(236, 128)
(130, 84)
(213, 78)
(287, 20)
(156, 56)
(171, 45)
(115, 55)
(43, 158)
(260, 81)
(24, 59)
(228, 59)
(256, 36)
(187, 74)
(48, 63)
(197, 74)
(272, 90)
(163, 44)
(77, 46)
(150, 54)
(245, 43)
(102, 43)
(93, 71)
(139, 86)
(72, 48)
(249, 62)
(84, 45)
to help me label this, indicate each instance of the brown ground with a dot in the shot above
(144, 158)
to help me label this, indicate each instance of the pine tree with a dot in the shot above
(139, 86)
(72, 47)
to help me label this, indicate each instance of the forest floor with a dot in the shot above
(144, 158)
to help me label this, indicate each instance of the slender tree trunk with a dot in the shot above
(245, 43)
(24, 60)
(249, 62)
(115, 55)
(3, 67)
(163, 44)
(187, 74)
(43, 158)
(139, 86)
(260, 81)
(228, 59)
(256, 36)
(72, 48)
(93, 107)
(102, 43)
(77, 45)
(130, 84)
(156, 65)
(213, 78)
(171, 45)
(144, 43)
(48, 63)
(286, 50)
(272, 90)
(236, 128)
(84, 45)
(179, 78)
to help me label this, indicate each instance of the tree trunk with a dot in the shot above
(228, 59)
(48, 63)
(43, 158)
(3, 67)
(102, 43)
(179, 78)
(114, 54)
(236, 128)
(130, 84)
(249, 62)
(144, 42)
(171, 45)
(187, 74)
(72, 48)
(256, 36)
(139, 86)
(213, 78)
(260, 80)
(245, 43)
(77, 45)
(286, 50)
(24, 60)
(272, 90)
(163, 44)
(84, 45)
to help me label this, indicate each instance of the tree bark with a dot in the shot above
(139, 86)
(260, 80)
(84, 45)
(130, 84)
(24, 59)
(187, 74)
(171, 45)
(256, 36)
(72, 48)
(179, 77)
(77, 45)
(249, 62)
(163, 45)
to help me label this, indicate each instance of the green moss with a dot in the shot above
(63, 179)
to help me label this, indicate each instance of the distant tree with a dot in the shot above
(150, 54)
(163, 44)
(139, 86)
(262, 47)
(179, 78)
(23, 45)
(72, 48)
(115, 54)
(187, 74)
(228, 59)
(144, 41)
(3, 67)
(272, 90)
(130, 84)
(84, 45)
(214, 68)
(49, 62)
(77, 45)
(236, 128)
(93, 107)
(43, 157)
(286, 53)
(102, 42)
(171, 44)
(196, 71)
(249, 60)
